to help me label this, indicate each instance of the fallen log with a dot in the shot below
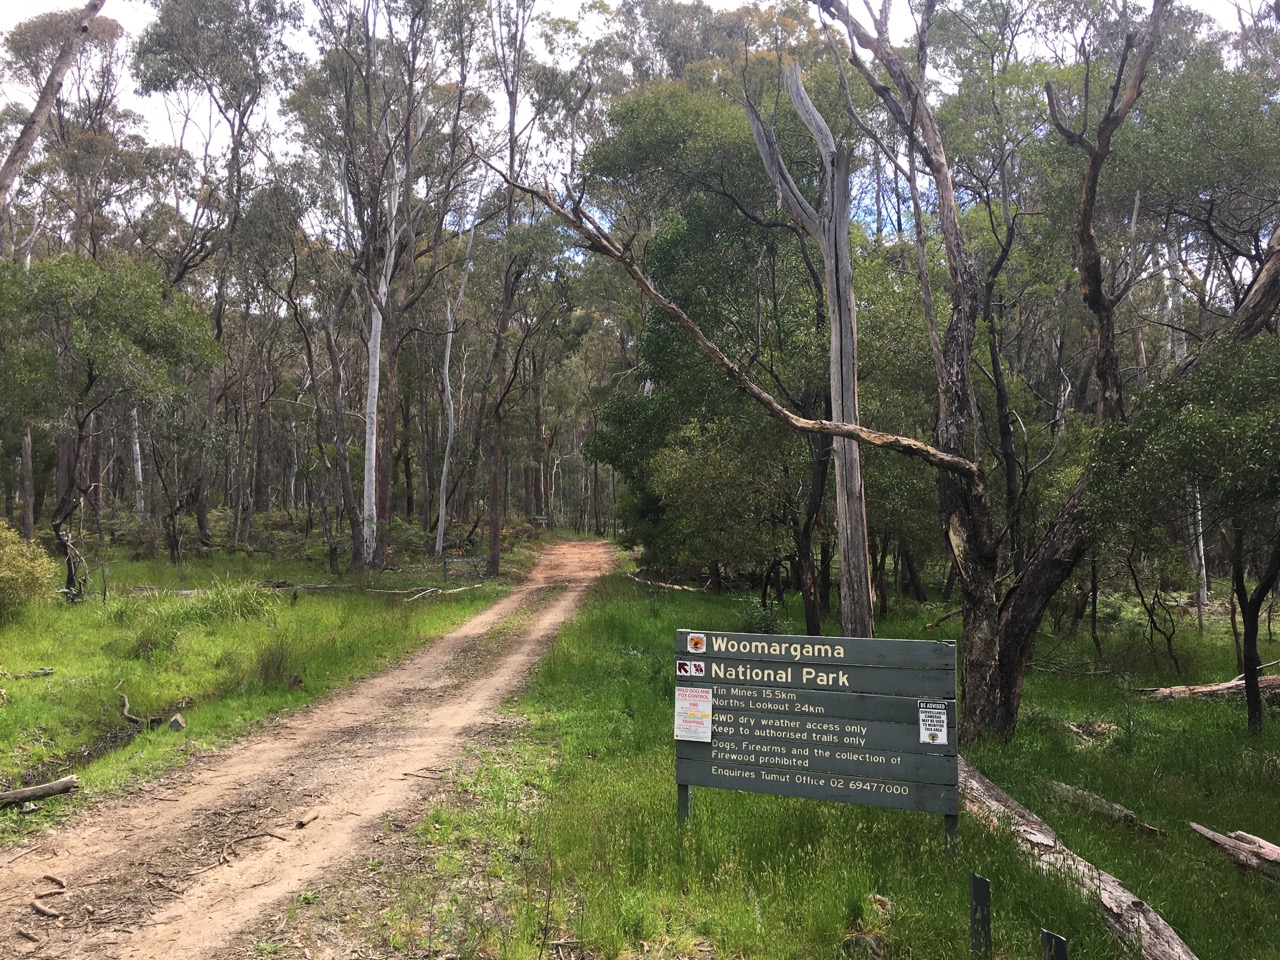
(145, 590)
(308, 587)
(1130, 920)
(1270, 687)
(1246, 850)
(664, 586)
(40, 791)
(1091, 801)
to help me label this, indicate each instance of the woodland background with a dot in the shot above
(326, 320)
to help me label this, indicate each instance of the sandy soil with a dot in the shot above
(198, 864)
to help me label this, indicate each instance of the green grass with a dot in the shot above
(225, 658)
(575, 821)
(1171, 763)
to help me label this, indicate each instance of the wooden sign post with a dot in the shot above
(831, 718)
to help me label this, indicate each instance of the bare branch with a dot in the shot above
(599, 240)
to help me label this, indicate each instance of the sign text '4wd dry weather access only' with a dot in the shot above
(831, 718)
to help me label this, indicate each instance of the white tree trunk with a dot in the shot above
(1195, 519)
(370, 528)
(291, 478)
(139, 495)
(830, 229)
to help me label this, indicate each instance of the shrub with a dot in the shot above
(25, 573)
(760, 619)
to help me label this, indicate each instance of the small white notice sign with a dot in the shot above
(933, 721)
(693, 714)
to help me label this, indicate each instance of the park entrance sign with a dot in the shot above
(831, 718)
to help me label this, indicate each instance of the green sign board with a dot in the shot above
(831, 718)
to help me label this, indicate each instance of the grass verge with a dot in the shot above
(226, 657)
(574, 822)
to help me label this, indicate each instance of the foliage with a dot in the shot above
(79, 334)
(26, 572)
(1213, 430)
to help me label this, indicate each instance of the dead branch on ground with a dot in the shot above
(40, 791)
(1091, 801)
(1270, 687)
(1249, 852)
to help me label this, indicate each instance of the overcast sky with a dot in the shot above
(134, 15)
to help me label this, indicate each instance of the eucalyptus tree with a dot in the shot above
(389, 108)
(87, 171)
(76, 33)
(90, 166)
(510, 22)
(685, 159)
(999, 623)
(89, 338)
(233, 53)
(1213, 429)
(826, 223)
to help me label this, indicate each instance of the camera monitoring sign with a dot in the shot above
(859, 721)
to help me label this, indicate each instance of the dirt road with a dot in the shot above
(185, 867)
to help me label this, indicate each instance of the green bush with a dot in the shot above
(25, 573)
